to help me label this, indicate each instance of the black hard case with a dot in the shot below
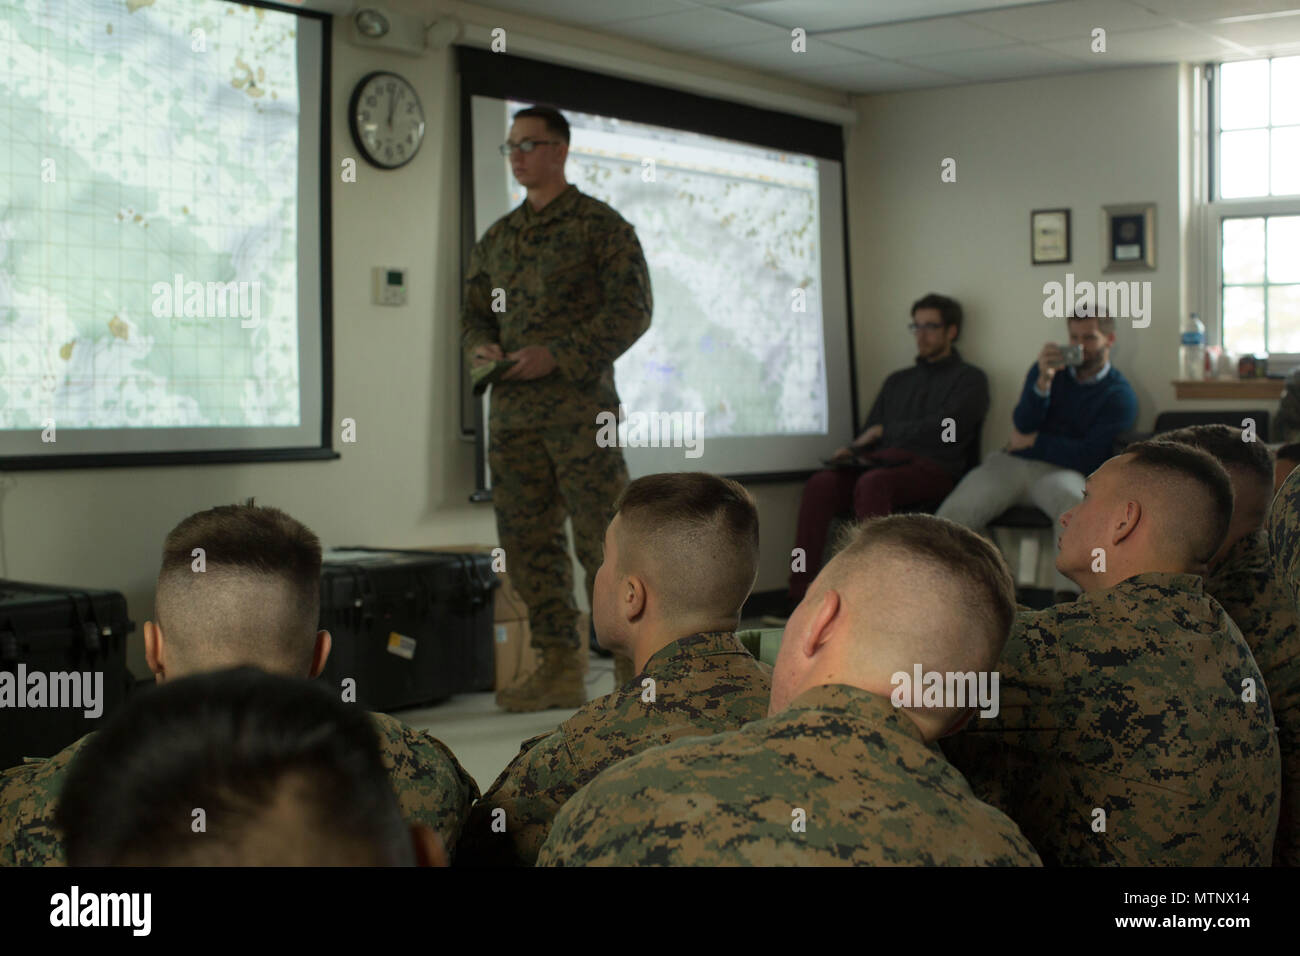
(50, 628)
(441, 601)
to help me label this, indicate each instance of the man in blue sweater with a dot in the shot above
(1065, 426)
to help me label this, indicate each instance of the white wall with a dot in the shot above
(406, 480)
(1080, 141)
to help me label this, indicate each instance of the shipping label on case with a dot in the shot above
(401, 645)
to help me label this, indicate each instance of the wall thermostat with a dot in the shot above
(390, 285)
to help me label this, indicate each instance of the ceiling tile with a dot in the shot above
(918, 37)
(1068, 18)
(1192, 10)
(876, 77)
(818, 15)
(699, 29)
(1174, 44)
(590, 12)
(1000, 63)
(775, 54)
(1257, 31)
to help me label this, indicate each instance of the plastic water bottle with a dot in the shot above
(1191, 352)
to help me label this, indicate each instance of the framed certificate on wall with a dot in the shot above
(1049, 236)
(1130, 236)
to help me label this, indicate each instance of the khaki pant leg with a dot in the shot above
(530, 526)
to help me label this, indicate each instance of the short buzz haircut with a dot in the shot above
(696, 536)
(256, 599)
(1197, 492)
(976, 569)
(286, 774)
(949, 310)
(1289, 452)
(556, 124)
(1224, 443)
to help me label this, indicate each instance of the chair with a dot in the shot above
(1168, 421)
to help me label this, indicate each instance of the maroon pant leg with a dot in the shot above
(883, 491)
(827, 494)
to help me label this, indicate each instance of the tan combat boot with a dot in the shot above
(557, 682)
(623, 670)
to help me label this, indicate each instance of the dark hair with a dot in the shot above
(949, 310)
(706, 525)
(242, 545)
(285, 773)
(556, 124)
(959, 552)
(1290, 452)
(1205, 521)
(1105, 323)
(1224, 443)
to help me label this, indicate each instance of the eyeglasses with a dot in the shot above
(925, 327)
(524, 146)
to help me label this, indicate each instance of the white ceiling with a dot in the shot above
(870, 46)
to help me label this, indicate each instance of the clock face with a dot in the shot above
(387, 120)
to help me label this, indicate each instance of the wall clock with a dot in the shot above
(386, 119)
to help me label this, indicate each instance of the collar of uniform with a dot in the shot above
(861, 704)
(1162, 581)
(704, 644)
(1246, 553)
(556, 207)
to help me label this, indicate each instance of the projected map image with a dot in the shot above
(148, 215)
(730, 232)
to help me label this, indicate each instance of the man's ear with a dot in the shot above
(817, 631)
(321, 653)
(429, 848)
(632, 597)
(1127, 522)
(153, 650)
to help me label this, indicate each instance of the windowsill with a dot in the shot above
(1230, 388)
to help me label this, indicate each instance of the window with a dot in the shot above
(1254, 204)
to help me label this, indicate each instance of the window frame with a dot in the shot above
(1214, 210)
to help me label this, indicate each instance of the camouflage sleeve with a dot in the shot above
(431, 786)
(510, 824)
(625, 311)
(28, 796)
(1284, 533)
(478, 324)
(557, 850)
(995, 753)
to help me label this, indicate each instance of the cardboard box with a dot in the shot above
(511, 635)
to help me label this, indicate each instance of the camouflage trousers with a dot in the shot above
(540, 476)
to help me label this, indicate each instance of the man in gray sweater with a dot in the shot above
(916, 445)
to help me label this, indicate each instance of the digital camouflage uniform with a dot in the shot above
(431, 786)
(871, 792)
(1129, 700)
(574, 280)
(1260, 604)
(703, 684)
